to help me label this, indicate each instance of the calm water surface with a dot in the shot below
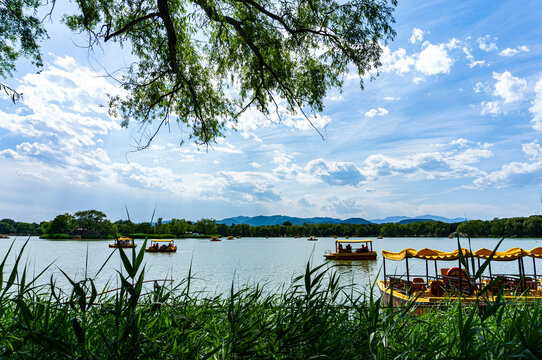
(273, 261)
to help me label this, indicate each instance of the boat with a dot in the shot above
(347, 237)
(362, 250)
(237, 237)
(4, 237)
(312, 238)
(162, 246)
(453, 284)
(379, 237)
(77, 237)
(230, 238)
(214, 238)
(123, 242)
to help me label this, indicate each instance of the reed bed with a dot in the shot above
(313, 318)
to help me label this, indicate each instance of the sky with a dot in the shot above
(451, 127)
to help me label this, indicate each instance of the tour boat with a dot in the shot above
(216, 239)
(166, 246)
(363, 250)
(124, 242)
(379, 237)
(230, 238)
(4, 237)
(455, 284)
(312, 238)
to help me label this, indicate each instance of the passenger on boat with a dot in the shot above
(348, 248)
(364, 248)
(341, 248)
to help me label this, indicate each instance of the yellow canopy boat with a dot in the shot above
(452, 284)
(124, 242)
(362, 250)
(160, 245)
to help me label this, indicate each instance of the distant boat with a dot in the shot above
(4, 237)
(230, 238)
(363, 252)
(237, 237)
(379, 237)
(347, 237)
(124, 242)
(214, 238)
(312, 238)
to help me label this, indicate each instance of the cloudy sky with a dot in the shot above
(451, 127)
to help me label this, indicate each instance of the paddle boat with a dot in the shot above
(230, 238)
(4, 236)
(362, 250)
(159, 245)
(452, 284)
(379, 237)
(123, 242)
(312, 238)
(214, 238)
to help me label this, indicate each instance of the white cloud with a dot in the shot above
(397, 61)
(434, 60)
(376, 112)
(508, 87)
(513, 174)
(533, 150)
(536, 108)
(418, 79)
(301, 123)
(335, 173)
(490, 108)
(255, 165)
(417, 35)
(391, 98)
(485, 44)
(478, 87)
(512, 52)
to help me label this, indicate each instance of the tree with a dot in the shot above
(90, 219)
(61, 224)
(6, 228)
(192, 54)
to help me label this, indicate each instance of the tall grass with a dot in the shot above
(313, 318)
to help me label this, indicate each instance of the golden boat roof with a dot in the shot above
(354, 241)
(483, 253)
(162, 240)
(125, 238)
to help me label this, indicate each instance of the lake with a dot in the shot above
(273, 261)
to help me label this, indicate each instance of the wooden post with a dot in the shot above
(534, 268)
(384, 264)
(407, 271)
(436, 269)
(427, 271)
(520, 278)
(460, 277)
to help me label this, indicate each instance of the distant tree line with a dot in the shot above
(94, 223)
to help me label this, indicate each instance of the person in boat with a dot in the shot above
(348, 248)
(364, 248)
(341, 248)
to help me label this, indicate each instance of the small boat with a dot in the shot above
(347, 237)
(159, 245)
(123, 242)
(379, 237)
(230, 238)
(237, 237)
(4, 237)
(77, 237)
(312, 238)
(345, 251)
(451, 285)
(214, 238)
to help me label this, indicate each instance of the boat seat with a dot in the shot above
(444, 271)
(437, 288)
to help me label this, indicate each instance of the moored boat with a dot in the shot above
(362, 250)
(312, 238)
(230, 238)
(123, 242)
(4, 236)
(379, 237)
(159, 245)
(456, 284)
(214, 238)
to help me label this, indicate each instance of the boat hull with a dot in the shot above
(122, 246)
(371, 255)
(168, 250)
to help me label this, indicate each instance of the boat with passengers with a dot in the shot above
(159, 245)
(123, 242)
(455, 283)
(352, 250)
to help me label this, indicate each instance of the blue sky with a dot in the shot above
(452, 126)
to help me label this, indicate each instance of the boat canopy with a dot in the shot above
(162, 240)
(356, 241)
(124, 238)
(483, 253)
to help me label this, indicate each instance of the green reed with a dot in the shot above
(315, 317)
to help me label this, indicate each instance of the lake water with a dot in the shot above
(215, 265)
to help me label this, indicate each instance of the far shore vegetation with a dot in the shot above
(93, 224)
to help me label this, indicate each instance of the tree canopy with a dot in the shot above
(204, 62)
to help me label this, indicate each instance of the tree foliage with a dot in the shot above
(204, 62)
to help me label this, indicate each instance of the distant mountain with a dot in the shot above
(402, 219)
(280, 219)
